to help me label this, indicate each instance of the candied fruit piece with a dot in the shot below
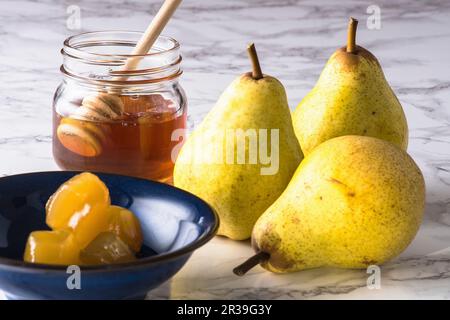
(52, 247)
(80, 204)
(106, 248)
(126, 226)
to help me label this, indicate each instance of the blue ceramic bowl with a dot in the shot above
(174, 223)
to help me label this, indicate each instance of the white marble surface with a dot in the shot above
(294, 39)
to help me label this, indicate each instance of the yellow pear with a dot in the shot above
(353, 202)
(224, 160)
(351, 97)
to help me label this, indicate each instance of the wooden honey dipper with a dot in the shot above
(85, 139)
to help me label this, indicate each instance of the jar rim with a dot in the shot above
(75, 47)
(86, 58)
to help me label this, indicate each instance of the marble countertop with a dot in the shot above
(294, 40)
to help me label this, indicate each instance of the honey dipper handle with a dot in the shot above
(152, 33)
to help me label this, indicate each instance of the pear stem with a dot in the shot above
(256, 68)
(258, 258)
(351, 35)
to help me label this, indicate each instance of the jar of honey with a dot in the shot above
(107, 118)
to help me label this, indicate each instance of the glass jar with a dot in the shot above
(110, 119)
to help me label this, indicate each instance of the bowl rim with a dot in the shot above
(6, 263)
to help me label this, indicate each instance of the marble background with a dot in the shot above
(294, 40)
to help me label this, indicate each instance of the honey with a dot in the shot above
(138, 143)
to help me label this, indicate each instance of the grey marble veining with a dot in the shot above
(294, 40)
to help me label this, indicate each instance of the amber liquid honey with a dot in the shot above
(138, 144)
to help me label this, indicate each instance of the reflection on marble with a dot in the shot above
(294, 40)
